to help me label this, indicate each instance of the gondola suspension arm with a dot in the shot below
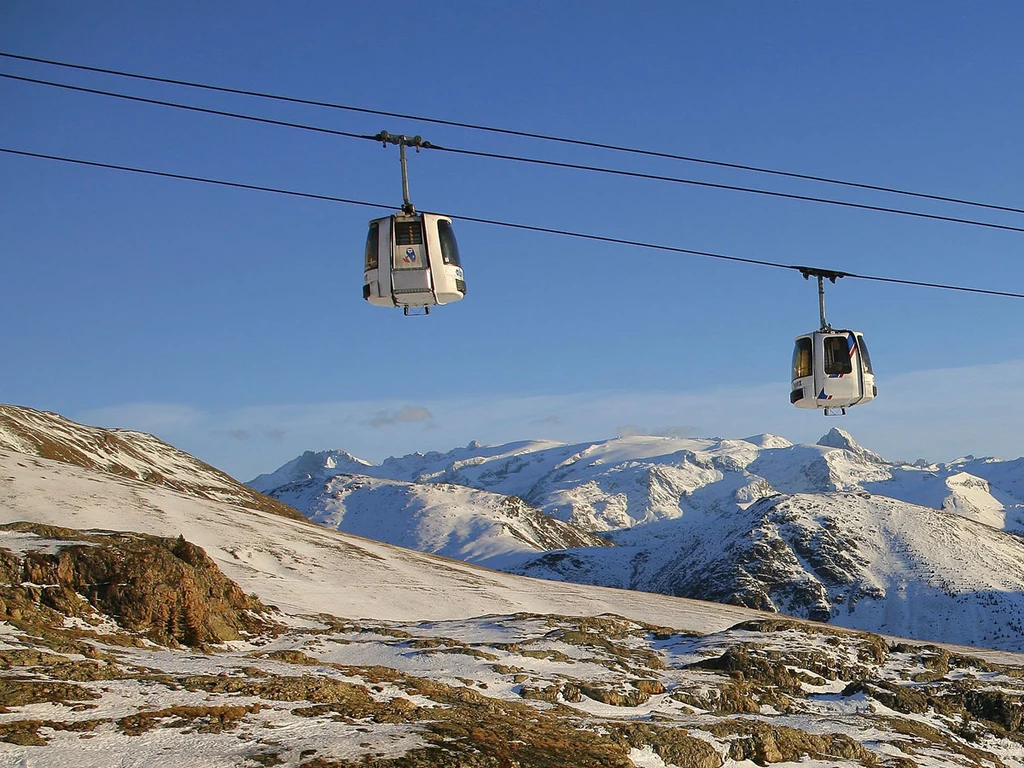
(822, 275)
(404, 141)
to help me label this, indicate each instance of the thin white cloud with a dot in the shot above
(551, 418)
(405, 415)
(274, 435)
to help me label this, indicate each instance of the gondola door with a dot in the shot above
(411, 280)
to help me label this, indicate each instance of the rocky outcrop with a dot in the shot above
(166, 590)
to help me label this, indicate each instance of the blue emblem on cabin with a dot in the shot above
(410, 256)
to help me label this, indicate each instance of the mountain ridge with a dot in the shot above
(127, 453)
(830, 531)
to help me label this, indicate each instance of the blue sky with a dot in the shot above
(231, 323)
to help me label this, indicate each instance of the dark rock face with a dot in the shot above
(166, 589)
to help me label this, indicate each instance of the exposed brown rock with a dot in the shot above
(17, 692)
(739, 661)
(673, 745)
(166, 589)
(765, 744)
(203, 719)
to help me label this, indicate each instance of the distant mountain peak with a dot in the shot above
(311, 465)
(768, 440)
(839, 438)
(313, 462)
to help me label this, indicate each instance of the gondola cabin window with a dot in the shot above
(449, 246)
(864, 356)
(372, 244)
(802, 359)
(837, 357)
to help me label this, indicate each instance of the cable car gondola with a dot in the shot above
(831, 368)
(412, 259)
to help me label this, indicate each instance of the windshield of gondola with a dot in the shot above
(449, 247)
(837, 356)
(864, 354)
(372, 243)
(802, 358)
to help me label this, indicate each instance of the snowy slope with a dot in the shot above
(308, 569)
(855, 560)
(123, 452)
(451, 520)
(989, 490)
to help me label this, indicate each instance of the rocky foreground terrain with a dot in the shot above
(93, 669)
(145, 625)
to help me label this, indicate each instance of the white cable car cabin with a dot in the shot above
(412, 260)
(832, 371)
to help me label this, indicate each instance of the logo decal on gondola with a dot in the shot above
(410, 256)
(823, 396)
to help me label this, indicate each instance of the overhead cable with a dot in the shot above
(189, 107)
(528, 160)
(734, 188)
(521, 134)
(511, 225)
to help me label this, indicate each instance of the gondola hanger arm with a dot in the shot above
(822, 275)
(403, 141)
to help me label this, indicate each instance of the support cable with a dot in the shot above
(188, 107)
(528, 160)
(518, 133)
(512, 225)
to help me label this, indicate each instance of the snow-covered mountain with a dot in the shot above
(122, 643)
(485, 528)
(124, 452)
(830, 531)
(308, 569)
(852, 559)
(619, 483)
